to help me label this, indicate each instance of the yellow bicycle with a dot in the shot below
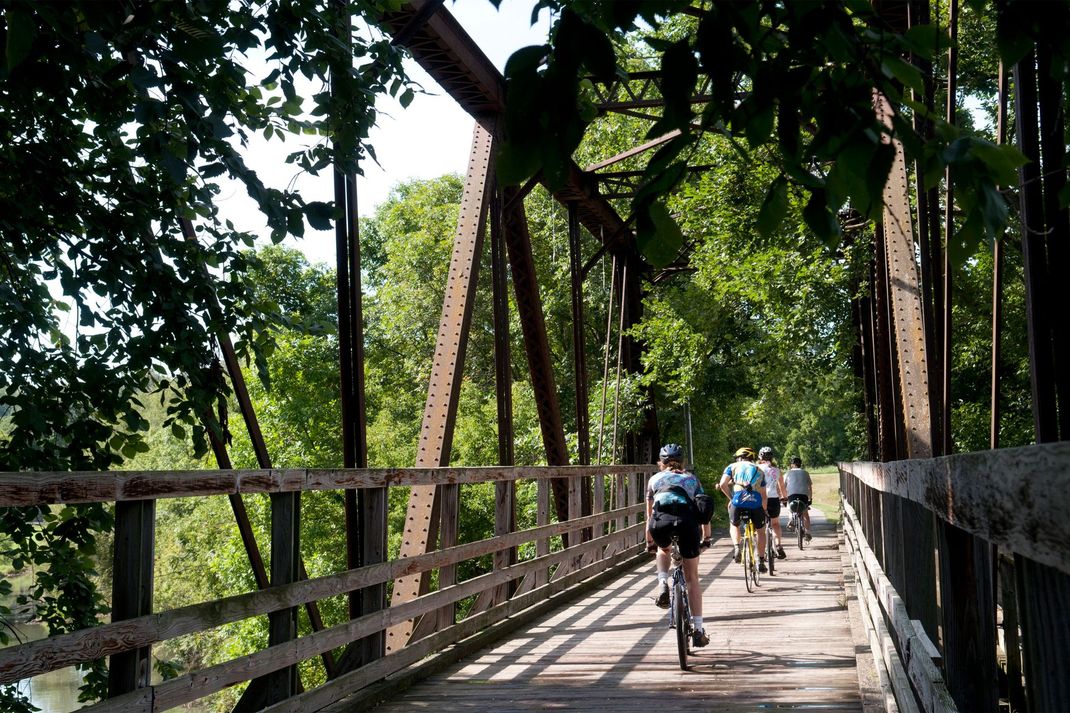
(749, 547)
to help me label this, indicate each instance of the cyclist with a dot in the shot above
(775, 493)
(671, 510)
(744, 484)
(800, 489)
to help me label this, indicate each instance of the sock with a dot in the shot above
(698, 622)
(663, 577)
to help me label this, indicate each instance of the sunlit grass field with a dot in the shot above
(827, 490)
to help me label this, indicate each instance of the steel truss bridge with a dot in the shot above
(951, 573)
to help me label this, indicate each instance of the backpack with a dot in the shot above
(701, 506)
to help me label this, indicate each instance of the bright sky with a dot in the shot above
(429, 138)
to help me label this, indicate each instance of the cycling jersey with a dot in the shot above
(747, 478)
(658, 488)
(772, 480)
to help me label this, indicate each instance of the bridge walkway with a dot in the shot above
(787, 646)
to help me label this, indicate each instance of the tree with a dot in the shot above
(117, 120)
(799, 77)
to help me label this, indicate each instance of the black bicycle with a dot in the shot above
(798, 507)
(679, 607)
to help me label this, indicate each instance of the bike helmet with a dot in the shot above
(745, 452)
(765, 453)
(671, 451)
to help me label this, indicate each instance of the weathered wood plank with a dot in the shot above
(980, 493)
(190, 687)
(914, 646)
(787, 646)
(56, 652)
(23, 488)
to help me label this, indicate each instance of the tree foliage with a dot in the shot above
(798, 77)
(117, 122)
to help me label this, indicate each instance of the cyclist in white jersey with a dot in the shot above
(775, 495)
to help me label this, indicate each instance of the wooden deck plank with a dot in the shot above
(787, 646)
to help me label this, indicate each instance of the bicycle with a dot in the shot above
(795, 523)
(749, 544)
(679, 606)
(770, 546)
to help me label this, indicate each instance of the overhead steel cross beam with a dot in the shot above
(639, 90)
(453, 59)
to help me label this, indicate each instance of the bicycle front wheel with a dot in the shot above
(682, 620)
(770, 549)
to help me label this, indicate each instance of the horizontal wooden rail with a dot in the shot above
(190, 687)
(903, 648)
(44, 655)
(1016, 498)
(19, 489)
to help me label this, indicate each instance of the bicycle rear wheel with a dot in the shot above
(682, 620)
(755, 573)
(748, 561)
(799, 529)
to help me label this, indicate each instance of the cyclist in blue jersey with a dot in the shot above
(743, 483)
(671, 510)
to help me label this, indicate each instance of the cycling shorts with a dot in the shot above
(756, 515)
(685, 526)
(772, 506)
(792, 499)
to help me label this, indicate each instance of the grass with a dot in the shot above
(827, 491)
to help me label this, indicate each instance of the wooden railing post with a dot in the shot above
(132, 585)
(285, 554)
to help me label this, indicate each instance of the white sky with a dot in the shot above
(429, 138)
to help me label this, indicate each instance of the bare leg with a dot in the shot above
(662, 560)
(694, 590)
(806, 521)
(733, 530)
(775, 524)
(761, 543)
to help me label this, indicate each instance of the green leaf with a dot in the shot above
(774, 207)
(21, 32)
(926, 40)
(658, 238)
(1003, 160)
(320, 215)
(905, 73)
(518, 162)
(820, 218)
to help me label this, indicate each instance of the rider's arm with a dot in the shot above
(725, 486)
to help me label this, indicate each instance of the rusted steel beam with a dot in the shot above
(1039, 319)
(579, 370)
(443, 48)
(536, 345)
(440, 411)
(909, 330)
(1052, 100)
(256, 438)
(635, 151)
(640, 90)
(579, 347)
(997, 277)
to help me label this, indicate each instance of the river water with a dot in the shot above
(54, 692)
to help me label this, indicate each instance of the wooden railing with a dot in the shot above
(963, 565)
(612, 541)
